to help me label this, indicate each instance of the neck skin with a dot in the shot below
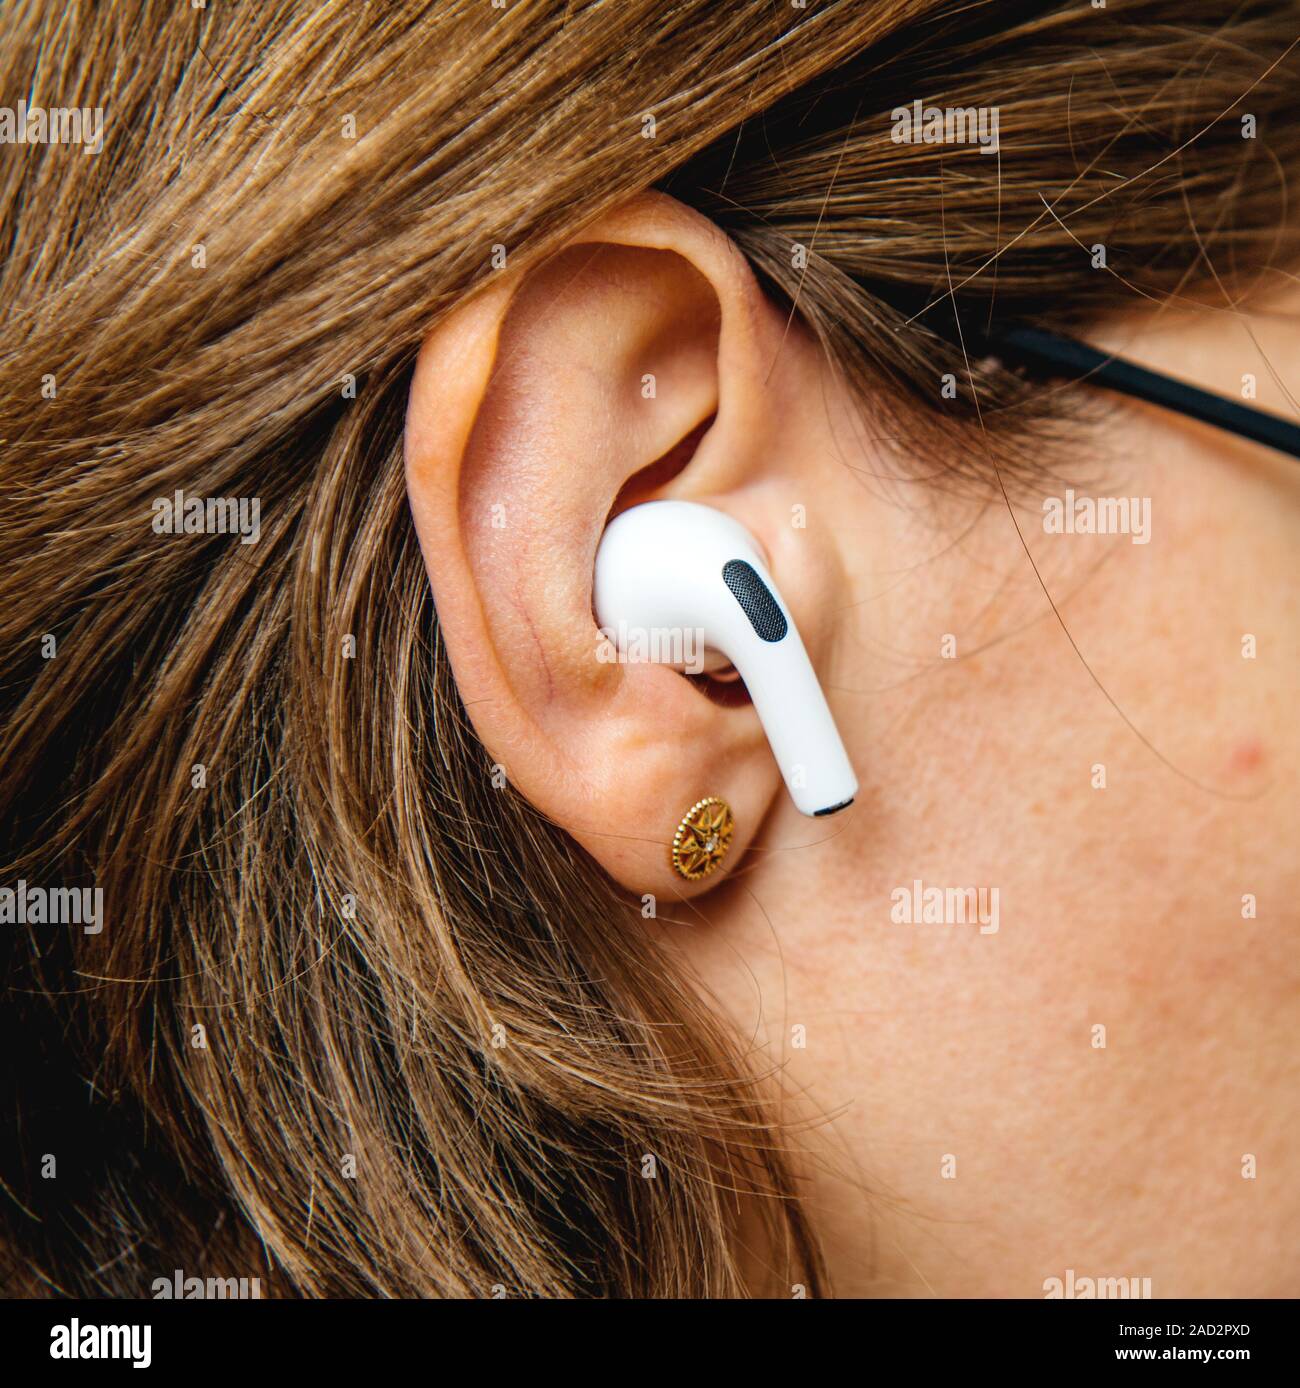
(971, 1135)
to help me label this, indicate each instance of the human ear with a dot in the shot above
(640, 362)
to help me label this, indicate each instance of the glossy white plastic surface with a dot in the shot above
(659, 569)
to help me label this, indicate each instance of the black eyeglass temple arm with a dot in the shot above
(1064, 356)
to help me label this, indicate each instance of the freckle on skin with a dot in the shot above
(1247, 756)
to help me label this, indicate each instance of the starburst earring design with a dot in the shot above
(702, 838)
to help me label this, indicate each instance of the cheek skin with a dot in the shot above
(1246, 757)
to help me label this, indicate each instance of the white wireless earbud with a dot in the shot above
(670, 573)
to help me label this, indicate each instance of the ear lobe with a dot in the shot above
(635, 358)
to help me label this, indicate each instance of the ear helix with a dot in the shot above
(666, 570)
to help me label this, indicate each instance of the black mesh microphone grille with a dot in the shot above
(762, 609)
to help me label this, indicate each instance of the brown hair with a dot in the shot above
(436, 1049)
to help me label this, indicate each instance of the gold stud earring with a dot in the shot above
(702, 838)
